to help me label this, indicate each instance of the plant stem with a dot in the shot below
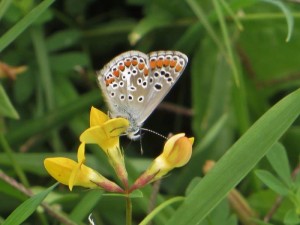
(10, 153)
(128, 210)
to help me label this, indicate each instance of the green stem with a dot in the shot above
(6, 148)
(128, 210)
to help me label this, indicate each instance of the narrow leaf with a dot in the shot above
(288, 15)
(272, 182)
(6, 108)
(280, 163)
(18, 28)
(20, 214)
(238, 161)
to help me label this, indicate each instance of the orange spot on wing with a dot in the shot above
(116, 73)
(141, 66)
(127, 63)
(178, 68)
(109, 81)
(134, 62)
(121, 67)
(173, 63)
(159, 63)
(146, 72)
(166, 62)
(152, 64)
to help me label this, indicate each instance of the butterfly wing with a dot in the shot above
(121, 84)
(133, 83)
(166, 67)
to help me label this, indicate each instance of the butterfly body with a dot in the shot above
(134, 83)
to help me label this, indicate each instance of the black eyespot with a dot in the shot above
(156, 74)
(167, 75)
(139, 81)
(150, 80)
(121, 83)
(115, 85)
(134, 72)
(144, 83)
(141, 99)
(169, 79)
(130, 97)
(158, 87)
(122, 97)
(112, 94)
(162, 72)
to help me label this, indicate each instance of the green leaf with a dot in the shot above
(238, 161)
(4, 5)
(146, 25)
(288, 15)
(291, 218)
(18, 28)
(272, 182)
(86, 205)
(280, 163)
(21, 213)
(6, 108)
(159, 208)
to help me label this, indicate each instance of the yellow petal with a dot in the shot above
(81, 153)
(97, 118)
(115, 127)
(92, 135)
(61, 170)
(107, 135)
(74, 175)
(170, 143)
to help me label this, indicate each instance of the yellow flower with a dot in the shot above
(176, 153)
(71, 173)
(106, 132)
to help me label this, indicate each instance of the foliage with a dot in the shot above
(239, 97)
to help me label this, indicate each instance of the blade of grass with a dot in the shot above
(238, 161)
(6, 108)
(205, 22)
(232, 14)
(4, 4)
(229, 52)
(54, 118)
(288, 15)
(17, 29)
(21, 213)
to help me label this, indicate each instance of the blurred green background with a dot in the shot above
(242, 60)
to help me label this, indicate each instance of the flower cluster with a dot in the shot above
(105, 132)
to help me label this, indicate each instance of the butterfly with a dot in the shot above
(134, 83)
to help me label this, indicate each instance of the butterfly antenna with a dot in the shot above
(154, 132)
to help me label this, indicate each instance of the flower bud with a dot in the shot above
(176, 153)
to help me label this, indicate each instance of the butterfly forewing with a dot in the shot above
(134, 83)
